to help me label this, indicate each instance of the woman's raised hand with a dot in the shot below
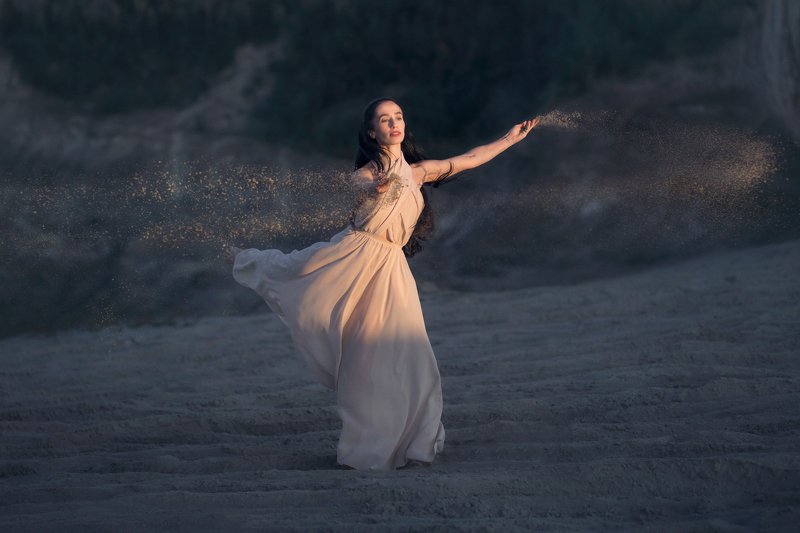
(521, 130)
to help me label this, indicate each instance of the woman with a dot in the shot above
(352, 305)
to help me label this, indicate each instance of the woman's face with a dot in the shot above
(388, 126)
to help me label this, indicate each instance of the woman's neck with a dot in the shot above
(395, 150)
(392, 154)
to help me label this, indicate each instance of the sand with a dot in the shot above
(663, 400)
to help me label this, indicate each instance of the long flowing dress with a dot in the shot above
(355, 318)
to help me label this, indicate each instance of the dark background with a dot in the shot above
(141, 136)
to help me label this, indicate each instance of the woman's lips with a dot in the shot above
(394, 133)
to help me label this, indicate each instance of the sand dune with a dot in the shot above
(665, 400)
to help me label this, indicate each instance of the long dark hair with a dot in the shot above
(370, 150)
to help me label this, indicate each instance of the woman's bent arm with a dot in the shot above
(432, 169)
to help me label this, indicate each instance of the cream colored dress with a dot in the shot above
(354, 313)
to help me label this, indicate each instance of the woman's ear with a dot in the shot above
(371, 133)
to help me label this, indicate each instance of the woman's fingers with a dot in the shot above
(526, 126)
(519, 131)
(530, 124)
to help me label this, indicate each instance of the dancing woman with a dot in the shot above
(351, 303)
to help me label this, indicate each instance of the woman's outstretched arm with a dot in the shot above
(432, 169)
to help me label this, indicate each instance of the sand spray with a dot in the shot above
(200, 203)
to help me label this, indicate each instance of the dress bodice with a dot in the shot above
(392, 214)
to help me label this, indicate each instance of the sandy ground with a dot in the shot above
(665, 400)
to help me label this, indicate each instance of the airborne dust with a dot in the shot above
(650, 177)
(195, 203)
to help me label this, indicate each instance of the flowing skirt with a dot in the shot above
(354, 313)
